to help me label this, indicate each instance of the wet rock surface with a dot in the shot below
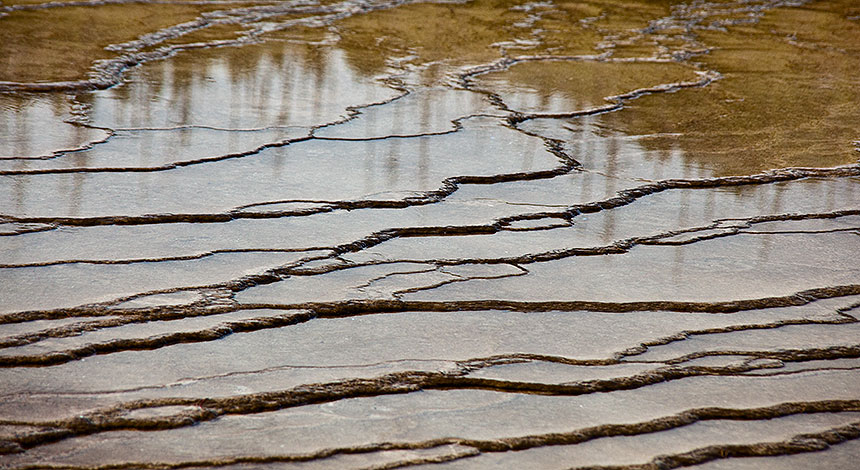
(403, 234)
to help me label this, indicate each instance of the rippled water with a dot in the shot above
(386, 234)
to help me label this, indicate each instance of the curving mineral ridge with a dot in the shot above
(378, 234)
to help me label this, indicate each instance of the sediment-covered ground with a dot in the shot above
(377, 234)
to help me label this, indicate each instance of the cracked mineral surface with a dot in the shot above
(377, 234)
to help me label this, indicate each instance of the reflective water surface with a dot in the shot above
(429, 234)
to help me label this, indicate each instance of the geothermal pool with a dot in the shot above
(377, 234)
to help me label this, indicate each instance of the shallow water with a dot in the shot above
(389, 234)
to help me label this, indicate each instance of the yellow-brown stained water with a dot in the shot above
(787, 98)
(62, 43)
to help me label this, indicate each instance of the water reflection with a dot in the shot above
(383, 108)
(32, 126)
(304, 84)
(274, 84)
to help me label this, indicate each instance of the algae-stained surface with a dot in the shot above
(437, 235)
